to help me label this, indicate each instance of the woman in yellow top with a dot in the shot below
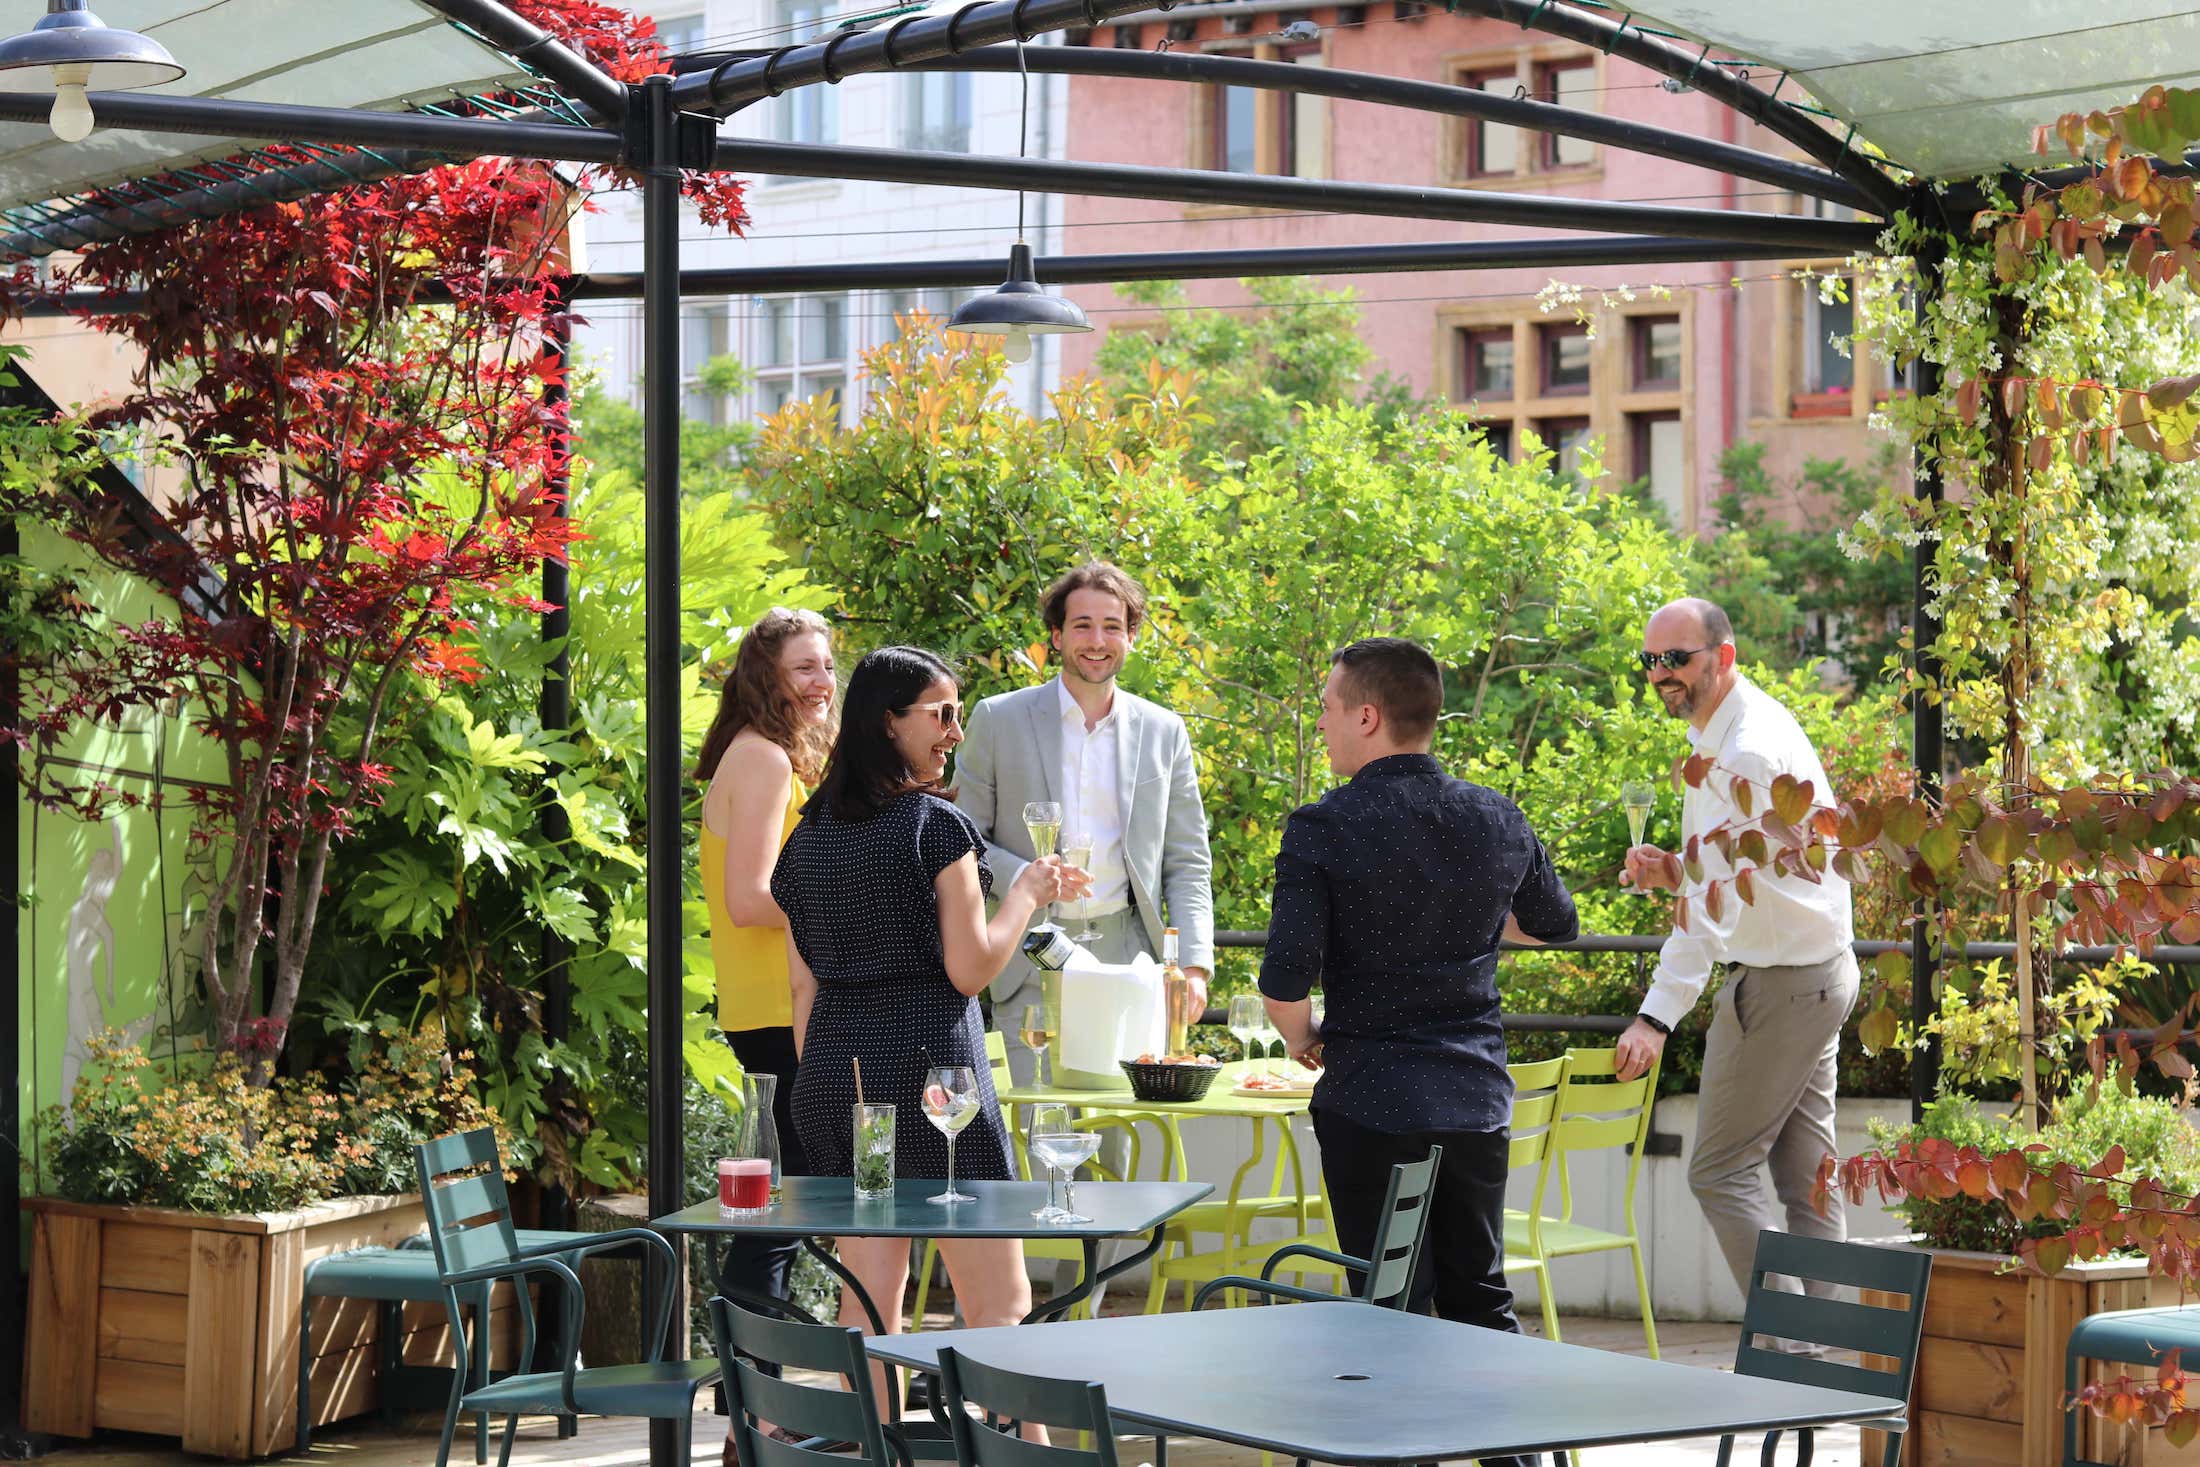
(766, 749)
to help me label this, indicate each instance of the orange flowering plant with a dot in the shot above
(210, 1140)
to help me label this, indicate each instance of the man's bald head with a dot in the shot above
(1688, 650)
(1706, 620)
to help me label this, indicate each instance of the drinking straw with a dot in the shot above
(857, 1061)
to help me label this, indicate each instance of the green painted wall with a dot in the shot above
(108, 939)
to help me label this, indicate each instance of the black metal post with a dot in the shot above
(1926, 729)
(555, 710)
(1201, 186)
(658, 146)
(459, 137)
(12, 1323)
(1422, 96)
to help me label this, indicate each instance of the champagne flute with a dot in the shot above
(1077, 850)
(1048, 1120)
(1035, 1026)
(1267, 1036)
(1043, 823)
(1245, 1021)
(951, 1103)
(1637, 797)
(1067, 1150)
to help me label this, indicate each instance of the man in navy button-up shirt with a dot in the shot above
(1393, 891)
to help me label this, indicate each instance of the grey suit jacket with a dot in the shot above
(1014, 755)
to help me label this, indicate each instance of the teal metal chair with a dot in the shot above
(1005, 1399)
(1891, 1333)
(1387, 1277)
(826, 1418)
(470, 1232)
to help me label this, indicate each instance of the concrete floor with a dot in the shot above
(622, 1443)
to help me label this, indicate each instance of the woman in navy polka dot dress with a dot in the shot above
(889, 945)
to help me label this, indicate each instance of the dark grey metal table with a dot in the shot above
(1350, 1383)
(810, 1208)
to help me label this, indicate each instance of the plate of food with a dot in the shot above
(1299, 1084)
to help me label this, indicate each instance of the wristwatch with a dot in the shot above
(1658, 1024)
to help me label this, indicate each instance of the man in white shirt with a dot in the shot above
(1121, 769)
(1768, 1071)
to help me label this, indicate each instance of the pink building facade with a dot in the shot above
(1665, 378)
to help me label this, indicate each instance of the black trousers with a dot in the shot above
(762, 1265)
(1461, 1274)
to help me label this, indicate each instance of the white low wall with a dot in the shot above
(1688, 1276)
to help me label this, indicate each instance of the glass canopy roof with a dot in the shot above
(367, 54)
(1952, 88)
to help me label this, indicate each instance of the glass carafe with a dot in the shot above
(759, 1132)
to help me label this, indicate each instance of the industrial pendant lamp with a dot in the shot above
(73, 51)
(1020, 308)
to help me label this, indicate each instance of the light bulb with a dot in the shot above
(72, 110)
(1016, 346)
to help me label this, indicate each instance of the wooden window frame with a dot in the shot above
(1546, 358)
(1638, 353)
(1528, 66)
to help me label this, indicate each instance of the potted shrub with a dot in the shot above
(178, 1213)
(1989, 1383)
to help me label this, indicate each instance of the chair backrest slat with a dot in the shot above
(846, 1414)
(1008, 1396)
(1872, 1329)
(469, 1216)
(1591, 1090)
(1402, 1225)
(1584, 1133)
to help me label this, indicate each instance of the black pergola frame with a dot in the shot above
(669, 123)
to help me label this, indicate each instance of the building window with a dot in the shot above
(1492, 149)
(680, 35)
(1487, 363)
(805, 114)
(1654, 349)
(1499, 432)
(935, 111)
(938, 304)
(1564, 352)
(1571, 83)
(1565, 437)
(1655, 455)
(1483, 150)
(799, 349)
(1236, 130)
(1251, 130)
(1827, 367)
(703, 338)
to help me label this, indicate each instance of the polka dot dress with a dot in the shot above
(860, 903)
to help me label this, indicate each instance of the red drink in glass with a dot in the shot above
(745, 1184)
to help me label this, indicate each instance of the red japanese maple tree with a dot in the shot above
(353, 388)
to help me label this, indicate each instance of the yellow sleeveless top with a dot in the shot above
(751, 961)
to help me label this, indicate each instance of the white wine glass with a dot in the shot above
(1245, 1018)
(1035, 1027)
(1637, 797)
(1077, 848)
(1267, 1036)
(951, 1103)
(1048, 1120)
(1067, 1151)
(1043, 823)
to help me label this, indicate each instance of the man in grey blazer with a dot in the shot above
(1120, 767)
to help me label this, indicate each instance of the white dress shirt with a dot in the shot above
(1092, 801)
(1793, 921)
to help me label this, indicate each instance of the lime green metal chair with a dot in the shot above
(1536, 1088)
(1596, 1112)
(470, 1232)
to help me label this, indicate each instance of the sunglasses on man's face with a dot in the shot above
(946, 710)
(1672, 661)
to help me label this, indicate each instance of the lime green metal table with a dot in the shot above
(1232, 1215)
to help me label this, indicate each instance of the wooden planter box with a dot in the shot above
(185, 1324)
(1989, 1385)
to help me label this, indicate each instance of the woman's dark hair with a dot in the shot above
(866, 769)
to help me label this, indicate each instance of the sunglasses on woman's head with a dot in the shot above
(946, 710)
(1672, 661)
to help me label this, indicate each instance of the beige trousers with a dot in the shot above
(1767, 1104)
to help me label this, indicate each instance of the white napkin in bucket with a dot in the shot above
(1110, 1012)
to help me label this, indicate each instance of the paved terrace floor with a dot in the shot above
(618, 1443)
